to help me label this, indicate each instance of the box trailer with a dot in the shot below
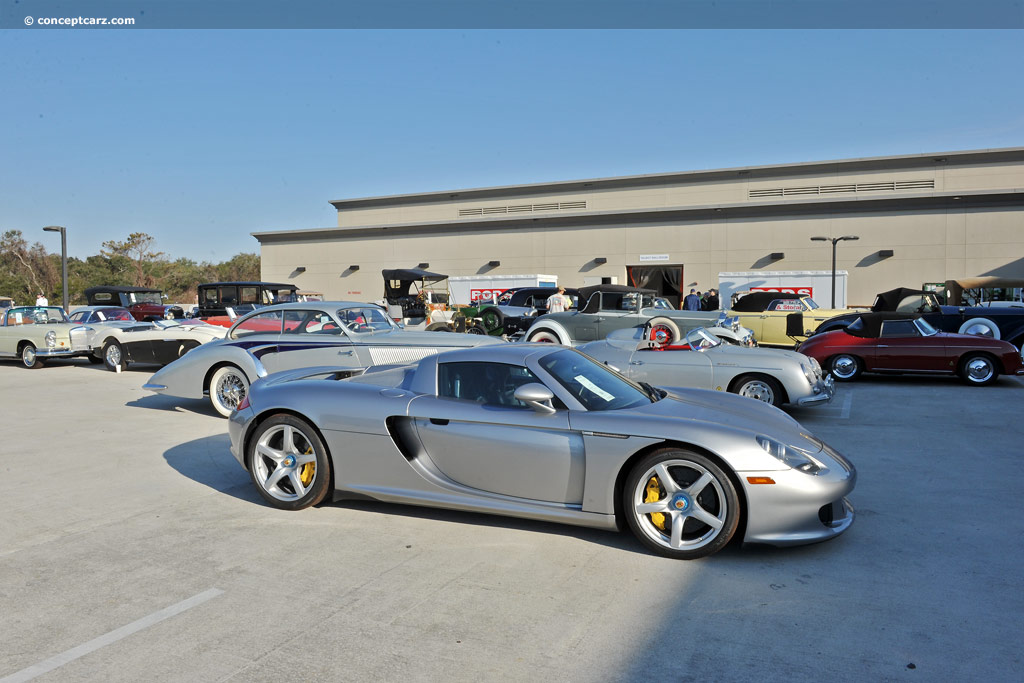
(473, 290)
(816, 284)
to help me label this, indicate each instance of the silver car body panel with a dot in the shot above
(392, 438)
(572, 327)
(188, 376)
(711, 368)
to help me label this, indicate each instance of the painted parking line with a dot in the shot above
(109, 638)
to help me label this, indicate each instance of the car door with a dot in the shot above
(310, 338)
(683, 368)
(773, 320)
(481, 438)
(901, 347)
(618, 310)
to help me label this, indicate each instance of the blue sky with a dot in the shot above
(201, 137)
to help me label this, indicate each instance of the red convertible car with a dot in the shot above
(894, 342)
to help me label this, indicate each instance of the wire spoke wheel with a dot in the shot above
(228, 387)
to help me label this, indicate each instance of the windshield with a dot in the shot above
(35, 315)
(144, 298)
(926, 328)
(113, 314)
(699, 339)
(591, 383)
(365, 319)
(810, 303)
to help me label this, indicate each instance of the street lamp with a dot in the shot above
(834, 241)
(63, 258)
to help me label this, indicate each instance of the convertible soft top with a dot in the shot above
(587, 293)
(411, 274)
(755, 302)
(869, 325)
(888, 301)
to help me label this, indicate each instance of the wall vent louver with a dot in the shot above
(522, 208)
(891, 186)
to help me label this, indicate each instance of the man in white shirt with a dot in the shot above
(41, 300)
(557, 303)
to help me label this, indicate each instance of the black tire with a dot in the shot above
(760, 388)
(476, 329)
(845, 367)
(113, 355)
(707, 519)
(281, 470)
(95, 360)
(438, 327)
(978, 369)
(29, 358)
(492, 319)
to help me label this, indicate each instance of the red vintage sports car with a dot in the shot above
(895, 342)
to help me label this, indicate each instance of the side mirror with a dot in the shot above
(537, 396)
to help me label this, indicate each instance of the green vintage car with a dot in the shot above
(35, 333)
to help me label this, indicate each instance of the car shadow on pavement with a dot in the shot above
(199, 406)
(208, 461)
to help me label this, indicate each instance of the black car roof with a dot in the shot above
(870, 324)
(120, 290)
(411, 274)
(267, 285)
(888, 301)
(755, 302)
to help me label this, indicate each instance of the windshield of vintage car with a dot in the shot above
(591, 383)
(35, 315)
(365, 319)
(699, 339)
(105, 314)
(926, 328)
(810, 303)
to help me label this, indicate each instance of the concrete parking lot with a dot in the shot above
(134, 548)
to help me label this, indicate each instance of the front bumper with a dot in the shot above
(57, 353)
(238, 425)
(801, 508)
(828, 390)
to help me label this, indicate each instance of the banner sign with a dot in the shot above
(485, 296)
(802, 291)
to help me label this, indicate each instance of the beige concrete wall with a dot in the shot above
(929, 246)
(957, 178)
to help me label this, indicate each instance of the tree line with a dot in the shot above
(28, 269)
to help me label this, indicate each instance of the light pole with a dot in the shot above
(63, 258)
(834, 241)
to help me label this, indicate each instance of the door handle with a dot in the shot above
(438, 421)
(345, 353)
(636, 362)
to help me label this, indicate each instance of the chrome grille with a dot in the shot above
(390, 355)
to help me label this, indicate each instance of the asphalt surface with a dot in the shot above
(135, 549)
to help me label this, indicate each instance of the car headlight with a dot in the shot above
(51, 339)
(809, 373)
(792, 457)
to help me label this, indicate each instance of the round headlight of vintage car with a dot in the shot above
(792, 457)
(51, 339)
(809, 373)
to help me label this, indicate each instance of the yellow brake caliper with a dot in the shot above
(307, 470)
(653, 496)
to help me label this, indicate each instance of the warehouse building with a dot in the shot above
(919, 219)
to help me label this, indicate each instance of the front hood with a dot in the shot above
(727, 410)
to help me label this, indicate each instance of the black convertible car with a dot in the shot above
(999, 323)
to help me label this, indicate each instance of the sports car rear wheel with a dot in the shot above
(760, 388)
(845, 367)
(113, 356)
(288, 463)
(228, 387)
(978, 370)
(680, 504)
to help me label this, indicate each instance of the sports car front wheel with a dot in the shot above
(288, 463)
(680, 504)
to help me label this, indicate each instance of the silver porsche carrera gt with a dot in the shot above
(545, 432)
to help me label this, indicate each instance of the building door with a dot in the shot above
(665, 279)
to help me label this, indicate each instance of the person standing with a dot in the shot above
(692, 301)
(711, 302)
(558, 303)
(41, 300)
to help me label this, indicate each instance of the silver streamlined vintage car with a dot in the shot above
(116, 339)
(545, 432)
(348, 335)
(37, 333)
(606, 308)
(702, 361)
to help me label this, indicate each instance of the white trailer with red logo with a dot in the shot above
(474, 290)
(816, 284)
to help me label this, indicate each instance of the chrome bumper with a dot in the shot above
(828, 390)
(154, 387)
(56, 353)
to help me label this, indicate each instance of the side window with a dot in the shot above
(491, 384)
(309, 322)
(264, 323)
(611, 301)
(249, 295)
(899, 328)
(229, 296)
(788, 305)
(209, 296)
(78, 317)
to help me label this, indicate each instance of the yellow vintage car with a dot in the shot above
(781, 319)
(35, 333)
